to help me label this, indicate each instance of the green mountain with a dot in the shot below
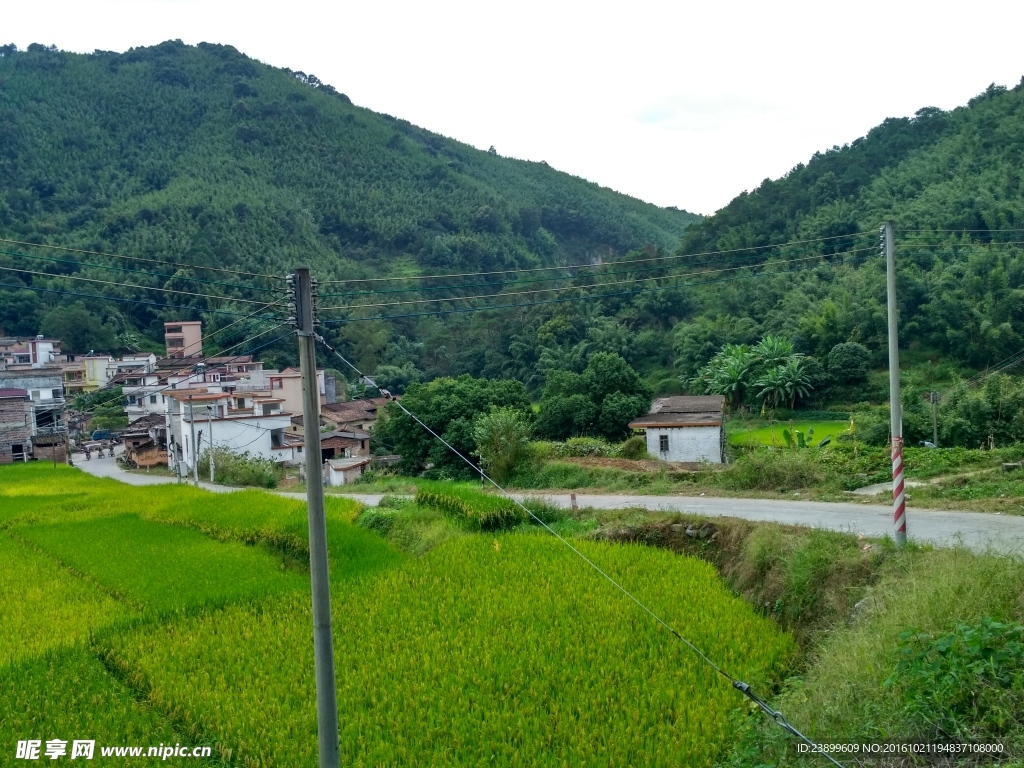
(202, 155)
(953, 185)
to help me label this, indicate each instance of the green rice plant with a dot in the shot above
(163, 567)
(503, 651)
(67, 694)
(475, 509)
(43, 606)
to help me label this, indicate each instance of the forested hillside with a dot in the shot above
(203, 156)
(200, 155)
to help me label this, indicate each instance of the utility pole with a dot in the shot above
(209, 436)
(301, 290)
(899, 503)
(195, 448)
(935, 418)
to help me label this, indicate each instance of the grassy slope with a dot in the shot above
(405, 663)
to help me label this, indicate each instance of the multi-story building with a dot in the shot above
(45, 402)
(197, 420)
(15, 432)
(86, 373)
(36, 352)
(184, 338)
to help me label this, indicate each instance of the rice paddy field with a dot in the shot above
(171, 615)
(773, 434)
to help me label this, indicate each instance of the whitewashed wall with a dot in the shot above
(686, 443)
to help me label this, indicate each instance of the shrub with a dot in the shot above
(634, 448)
(240, 469)
(502, 440)
(578, 447)
(475, 509)
(966, 684)
(769, 470)
(848, 362)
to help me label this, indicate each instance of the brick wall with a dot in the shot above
(14, 429)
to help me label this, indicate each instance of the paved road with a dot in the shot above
(977, 530)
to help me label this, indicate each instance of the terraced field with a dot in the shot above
(170, 615)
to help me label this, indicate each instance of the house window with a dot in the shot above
(173, 343)
(172, 329)
(152, 399)
(57, 394)
(663, 443)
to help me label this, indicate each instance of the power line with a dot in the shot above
(188, 362)
(109, 387)
(592, 266)
(731, 259)
(127, 285)
(593, 285)
(588, 297)
(139, 258)
(16, 287)
(736, 683)
(137, 271)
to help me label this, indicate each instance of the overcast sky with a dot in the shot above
(677, 103)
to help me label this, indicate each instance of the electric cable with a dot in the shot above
(127, 285)
(37, 289)
(138, 258)
(588, 297)
(593, 285)
(591, 266)
(736, 683)
(136, 271)
(449, 286)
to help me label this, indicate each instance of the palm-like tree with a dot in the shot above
(773, 350)
(796, 379)
(772, 387)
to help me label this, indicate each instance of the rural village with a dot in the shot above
(330, 439)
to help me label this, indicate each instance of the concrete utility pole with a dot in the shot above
(209, 436)
(323, 640)
(195, 448)
(935, 418)
(899, 504)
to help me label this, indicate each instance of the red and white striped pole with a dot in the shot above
(899, 503)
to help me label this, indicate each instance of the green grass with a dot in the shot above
(43, 606)
(68, 694)
(772, 435)
(163, 567)
(499, 650)
(842, 693)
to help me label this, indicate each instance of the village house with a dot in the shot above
(15, 432)
(344, 444)
(344, 471)
(86, 373)
(36, 352)
(197, 420)
(353, 414)
(685, 429)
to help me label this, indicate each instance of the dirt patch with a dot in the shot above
(630, 465)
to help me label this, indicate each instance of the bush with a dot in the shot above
(475, 509)
(579, 447)
(634, 448)
(848, 362)
(240, 469)
(967, 684)
(770, 470)
(502, 441)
